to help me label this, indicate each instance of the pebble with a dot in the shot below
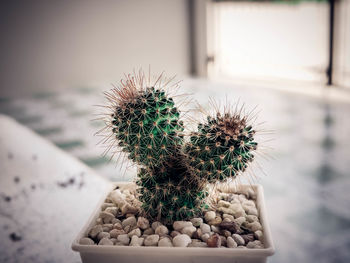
(148, 231)
(205, 237)
(124, 239)
(105, 242)
(118, 226)
(86, 241)
(252, 211)
(155, 225)
(142, 223)
(107, 227)
(165, 242)
(226, 233)
(205, 228)
(230, 217)
(216, 221)
(215, 229)
(104, 206)
(135, 232)
(230, 226)
(237, 210)
(151, 240)
(231, 243)
(214, 241)
(223, 203)
(117, 197)
(103, 235)
(129, 209)
(197, 243)
(255, 244)
(210, 215)
(136, 241)
(174, 233)
(248, 238)
(240, 220)
(106, 217)
(255, 226)
(179, 225)
(99, 221)
(161, 230)
(95, 230)
(130, 221)
(114, 233)
(238, 239)
(197, 221)
(112, 210)
(259, 234)
(189, 230)
(251, 218)
(181, 240)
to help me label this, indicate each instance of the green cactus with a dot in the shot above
(173, 175)
(148, 126)
(222, 147)
(172, 191)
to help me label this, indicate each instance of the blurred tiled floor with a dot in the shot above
(307, 181)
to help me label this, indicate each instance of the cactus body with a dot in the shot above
(148, 127)
(222, 147)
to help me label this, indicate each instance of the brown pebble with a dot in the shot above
(230, 226)
(248, 238)
(214, 241)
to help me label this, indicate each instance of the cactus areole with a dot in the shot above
(173, 174)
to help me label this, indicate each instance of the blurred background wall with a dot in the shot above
(48, 45)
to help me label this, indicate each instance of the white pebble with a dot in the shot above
(148, 231)
(205, 228)
(128, 209)
(103, 235)
(215, 229)
(254, 244)
(86, 241)
(95, 230)
(231, 243)
(105, 242)
(112, 210)
(205, 237)
(155, 225)
(165, 242)
(210, 215)
(251, 218)
(179, 225)
(136, 241)
(230, 217)
(107, 227)
(197, 243)
(181, 240)
(240, 220)
(104, 206)
(255, 226)
(117, 197)
(114, 233)
(238, 239)
(188, 230)
(223, 203)
(142, 223)
(197, 221)
(161, 230)
(124, 239)
(151, 240)
(135, 232)
(130, 221)
(259, 235)
(252, 211)
(106, 217)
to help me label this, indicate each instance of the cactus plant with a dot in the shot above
(222, 147)
(173, 175)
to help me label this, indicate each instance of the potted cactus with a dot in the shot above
(182, 204)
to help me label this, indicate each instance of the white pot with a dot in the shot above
(113, 254)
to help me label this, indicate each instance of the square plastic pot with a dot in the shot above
(113, 254)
